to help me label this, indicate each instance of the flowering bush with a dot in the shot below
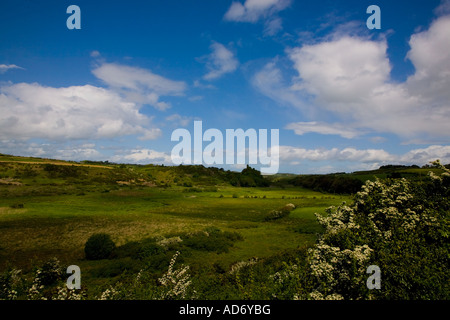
(9, 283)
(51, 272)
(64, 293)
(175, 282)
(398, 225)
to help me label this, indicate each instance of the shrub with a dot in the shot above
(281, 213)
(212, 239)
(114, 268)
(99, 246)
(51, 272)
(129, 249)
(9, 284)
(309, 227)
(17, 206)
(175, 283)
(399, 226)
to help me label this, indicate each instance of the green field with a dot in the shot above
(50, 209)
(216, 219)
(60, 225)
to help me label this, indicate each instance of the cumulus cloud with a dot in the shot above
(139, 85)
(61, 116)
(370, 157)
(270, 81)
(143, 156)
(346, 154)
(78, 153)
(79, 112)
(221, 61)
(255, 10)
(6, 67)
(348, 77)
(430, 54)
(179, 120)
(301, 128)
(426, 155)
(443, 8)
(56, 150)
(341, 71)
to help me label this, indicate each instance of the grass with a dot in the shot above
(51, 212)
(60, 225)
(49, 208)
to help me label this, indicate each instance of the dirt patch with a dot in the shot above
(10, 181)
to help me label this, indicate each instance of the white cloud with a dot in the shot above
(179, 120)
(371, 158)
(273, 26)
(79, 112)
(269, 80)
(139, 85)
(143, 156)
(340, 71)
(426, 155)
(198, 84)
(443, 8)
(430, 54)
(221, 61)
(348, 154)
(6, 67)
(301, 128)
(77, 153)
(348, 78)
(95, 54)
(254, 10)
(55, 150)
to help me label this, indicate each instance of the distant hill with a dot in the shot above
(41, 171)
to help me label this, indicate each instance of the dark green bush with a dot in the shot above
(51, 272)
(309, 227)
(212, 239)
(280, 213)
(115, 268)
(129, 249)
(328, 183)
(148, 250)
(99, 246)
(17, 206)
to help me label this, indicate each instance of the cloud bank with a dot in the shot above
(86, 112)
(348, 77)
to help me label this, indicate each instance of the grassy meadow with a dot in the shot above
(49, 209)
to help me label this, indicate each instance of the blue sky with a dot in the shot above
(343, 97)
